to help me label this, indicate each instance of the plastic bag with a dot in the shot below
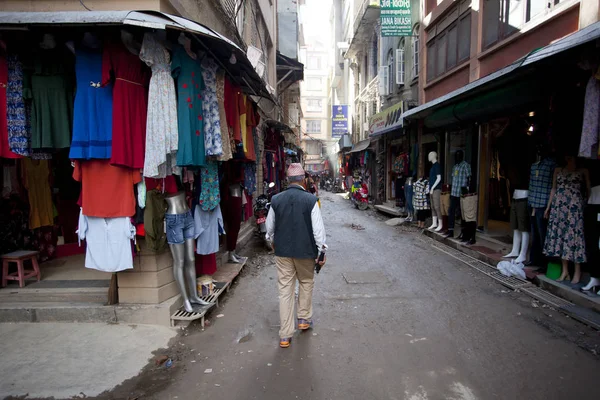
(511, 268)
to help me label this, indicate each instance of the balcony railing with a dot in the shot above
(369, 92)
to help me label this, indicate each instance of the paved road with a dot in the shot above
(430, 328)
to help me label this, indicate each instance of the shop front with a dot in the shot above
(110, 119)
(509, 136)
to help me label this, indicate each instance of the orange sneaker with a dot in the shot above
(304, 324)
(285, 343)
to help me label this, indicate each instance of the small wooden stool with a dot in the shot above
(18, 257)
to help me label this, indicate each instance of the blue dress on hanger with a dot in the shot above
(92, 116)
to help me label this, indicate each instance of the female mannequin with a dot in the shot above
(435, 185)
(565, 237)
(592, 236)
(180, 236)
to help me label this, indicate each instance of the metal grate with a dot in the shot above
(510, 281)
(547, 297)
(182, 315)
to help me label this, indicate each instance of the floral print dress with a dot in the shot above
(565, 238)
(210, 194)
(210, 106)
(162, 132)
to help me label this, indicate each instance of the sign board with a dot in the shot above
(396, 18)
(386, 121)
(339, 121)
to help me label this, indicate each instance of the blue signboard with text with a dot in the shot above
(339, 121)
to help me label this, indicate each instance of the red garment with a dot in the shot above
(130, 104)
(4, 147)
(232, 111)
(169, 183)
(206, 264)
(106, 190)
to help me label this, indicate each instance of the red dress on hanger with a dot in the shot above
(130, 104)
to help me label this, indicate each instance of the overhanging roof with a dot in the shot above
(360, 146)
(364, 28)
(515, 70)
(218, 45)
(288, 69)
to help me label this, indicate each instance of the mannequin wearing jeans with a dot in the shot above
(435, 186)
(180, 235)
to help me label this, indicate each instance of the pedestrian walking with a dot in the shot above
(295, 227)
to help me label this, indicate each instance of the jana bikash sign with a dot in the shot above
(339, 121)
(396, 19)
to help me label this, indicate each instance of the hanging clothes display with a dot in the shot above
(250, 178)
(108, 242)
(209, 224)
(4, 145)
(162, 134)
(106, 190)
(210, 195)
(588, 147)
(92, 123)
(50, 88)
(36, 180)
(232, 110)
(130, 104)
(210, 107)
(154, 216)
(190, 85)
(19, 113)
(252, 121)
(225, 136)
(243, 122)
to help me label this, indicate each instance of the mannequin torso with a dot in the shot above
(176, 203)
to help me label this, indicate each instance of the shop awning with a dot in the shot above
(280, 126)
(360, 146)
(214, 43)
(506, 76)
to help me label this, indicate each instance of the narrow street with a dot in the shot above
(424, 326)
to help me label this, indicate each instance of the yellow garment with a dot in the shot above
(243, 126)
(41, 209)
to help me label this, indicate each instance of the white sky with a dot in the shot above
(315, 18)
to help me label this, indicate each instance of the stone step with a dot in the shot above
(97, 295)
(389, 210)
(33, 311)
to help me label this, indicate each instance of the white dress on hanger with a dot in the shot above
(162, 133)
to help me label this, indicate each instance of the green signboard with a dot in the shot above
(396, 18)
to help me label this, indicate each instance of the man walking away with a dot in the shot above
(295, 226)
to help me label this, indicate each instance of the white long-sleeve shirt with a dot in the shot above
(317, 226)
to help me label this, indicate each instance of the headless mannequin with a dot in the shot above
(594, 200)
(520, 238)
(235, 190)
(184, 268)
(571, 166)
(186, 42)
(436, 185)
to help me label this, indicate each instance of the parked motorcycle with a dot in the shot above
(337, 186)
(328, 185)
(261, 210)
(360, 196)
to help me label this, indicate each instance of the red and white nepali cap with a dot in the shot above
(295, 169)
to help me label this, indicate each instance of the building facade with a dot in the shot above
(484, 73)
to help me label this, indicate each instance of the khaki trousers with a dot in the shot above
(436, 204)
(288, 270)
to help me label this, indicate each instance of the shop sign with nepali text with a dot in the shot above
(339, 121)
(386, 121)
(396, 18)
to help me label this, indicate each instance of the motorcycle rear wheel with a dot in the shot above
(362, 206)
